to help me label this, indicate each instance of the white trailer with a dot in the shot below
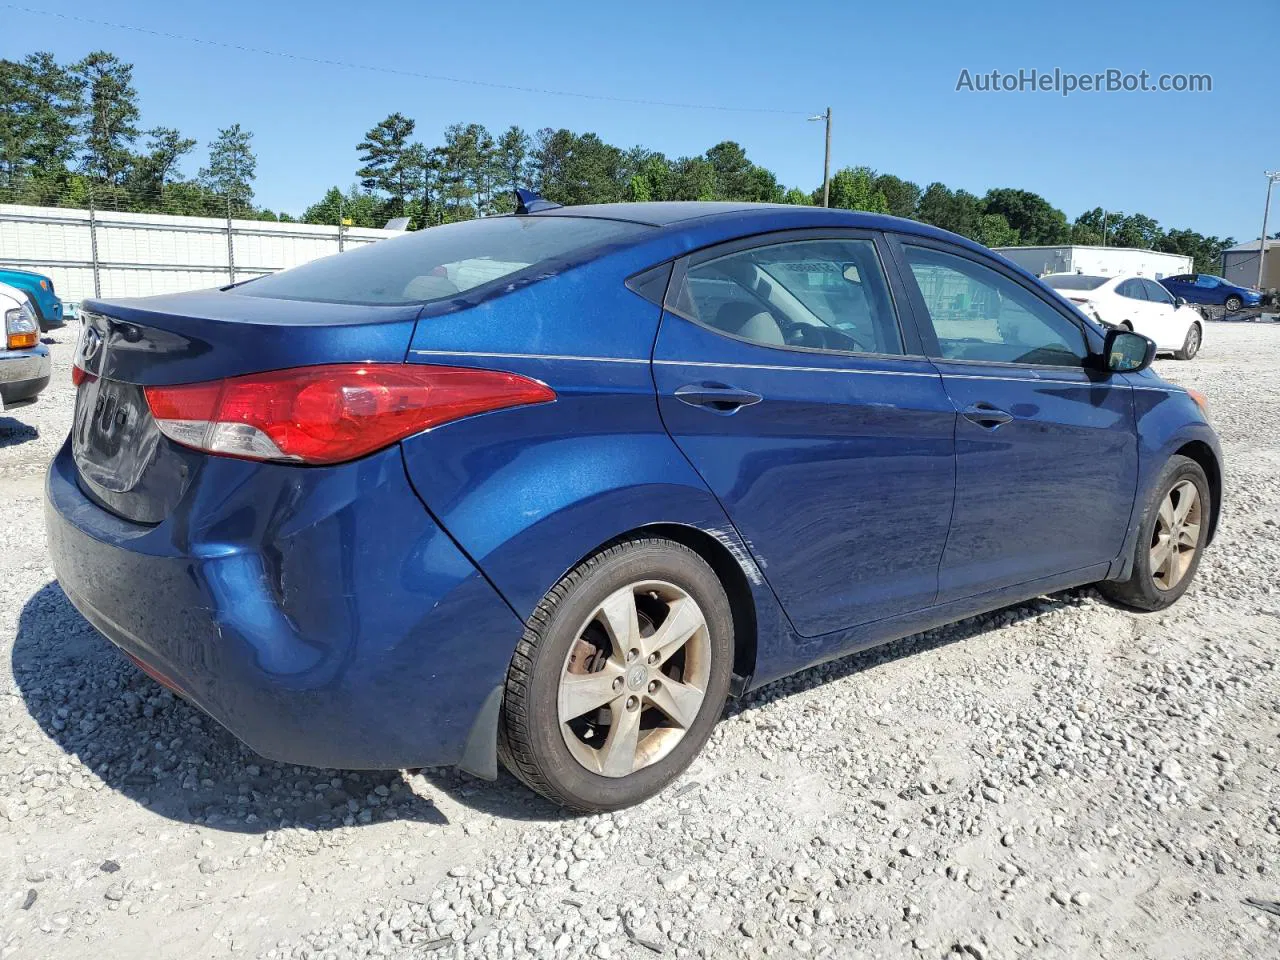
(1098, 261)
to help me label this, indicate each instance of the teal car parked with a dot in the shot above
(40, 289)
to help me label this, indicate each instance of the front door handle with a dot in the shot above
(717, 397)
(986, 415)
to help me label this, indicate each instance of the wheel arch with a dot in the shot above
(1203, 454)
(729, 569)
(733, 567)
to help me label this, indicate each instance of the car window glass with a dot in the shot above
(442, 261)
(1156, 293)
(980, 314)
(1203, 281)
(1131, 289)
(824, 294)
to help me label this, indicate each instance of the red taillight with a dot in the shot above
(79, 375)
(331, 413)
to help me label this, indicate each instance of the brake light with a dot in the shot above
(331, 413)
(79, 375)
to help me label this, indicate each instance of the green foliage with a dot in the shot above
(1035, 221)
(152, 172)
(110, 116)
(1205, 251)
(902, 196)
(994, 231)
(232, 166)
(69, 136)
(958, 211)
(391, 163)
(854, 188)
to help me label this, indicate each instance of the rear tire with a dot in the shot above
(604, 703)
(1178, 513)
(1191, 345)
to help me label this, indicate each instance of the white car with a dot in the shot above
(24, 361)
(1138, 303)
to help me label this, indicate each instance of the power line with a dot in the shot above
(324, 61)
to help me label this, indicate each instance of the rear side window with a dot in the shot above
(441, 262)
(822, 294)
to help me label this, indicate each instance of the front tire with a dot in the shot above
(620, 677)
(1233, 304)
(1171, 537)
(1191, 345)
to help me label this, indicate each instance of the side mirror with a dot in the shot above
(1127, 352)
(1179, 301)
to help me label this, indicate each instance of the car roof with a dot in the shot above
(671, 213)
(754, 217)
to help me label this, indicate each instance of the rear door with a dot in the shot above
(785, 378)
(1046, 449)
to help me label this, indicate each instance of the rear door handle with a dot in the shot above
(986, 415)
(716, 397)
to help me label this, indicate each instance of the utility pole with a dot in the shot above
(1273, 177)
(826, 159)
(231, 244)
(1104, 228)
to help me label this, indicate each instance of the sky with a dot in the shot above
(888, 71)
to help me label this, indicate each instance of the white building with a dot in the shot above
(1098, 261)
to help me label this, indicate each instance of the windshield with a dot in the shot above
(1073, 281)
(439, 262)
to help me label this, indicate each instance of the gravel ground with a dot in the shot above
(1056, 779)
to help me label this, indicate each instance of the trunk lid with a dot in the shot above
(124, 463)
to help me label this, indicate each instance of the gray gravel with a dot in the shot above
(1058, 779)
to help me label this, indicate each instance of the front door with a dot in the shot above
(1046, 448)
(785, 378)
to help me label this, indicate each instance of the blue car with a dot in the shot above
(43, 298)
(1207, 289)
(550, 487)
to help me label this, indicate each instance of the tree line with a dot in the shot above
(71, 134)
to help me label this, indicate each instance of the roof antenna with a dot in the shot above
(528, 201)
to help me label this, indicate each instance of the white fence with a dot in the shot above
(105, 254)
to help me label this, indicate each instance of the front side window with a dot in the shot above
(823, 294)
(1206, 282)
(979, 314)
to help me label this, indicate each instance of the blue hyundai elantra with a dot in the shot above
(550, 487)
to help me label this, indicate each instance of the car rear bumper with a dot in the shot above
(320, 615)
(23, 374)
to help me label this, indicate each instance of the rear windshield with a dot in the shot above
(1073, 281)
(440, 262)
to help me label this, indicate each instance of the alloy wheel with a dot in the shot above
(1176, 536)
(634, 679)
(1193, 341)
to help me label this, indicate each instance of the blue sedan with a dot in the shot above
(1208, 289)
(550, 487)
